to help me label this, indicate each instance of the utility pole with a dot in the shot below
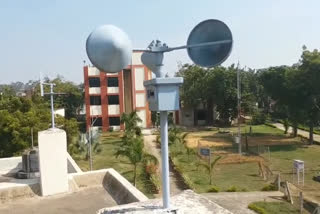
(239, 108)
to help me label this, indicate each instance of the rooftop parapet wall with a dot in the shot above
(121, 190)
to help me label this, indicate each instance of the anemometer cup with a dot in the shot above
(109, 49)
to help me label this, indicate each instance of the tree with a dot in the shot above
(280, 84)
(306, 80)
(210, 167)
(132, 145)
(132, 129)
(217, 87)
(20, 117)
(184, 142)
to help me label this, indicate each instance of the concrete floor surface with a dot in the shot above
(88, 200)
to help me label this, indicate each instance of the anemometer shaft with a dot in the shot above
(165, 159)
(187, 46)
(200, 45)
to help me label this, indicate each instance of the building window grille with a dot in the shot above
(95, 100)
(113, 100)
(112, 82)
(94, 82)
(114, 121)
(97, 121)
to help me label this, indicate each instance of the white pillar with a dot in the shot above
(53, 161)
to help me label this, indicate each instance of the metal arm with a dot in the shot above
(167, 49)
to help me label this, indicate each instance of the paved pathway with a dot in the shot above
(237, 202)
(151, 148)
(303, 133)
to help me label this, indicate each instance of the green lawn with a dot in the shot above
(273, 207)
(106, 159)
(245, 176)
(282, 161)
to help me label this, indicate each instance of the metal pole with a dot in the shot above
(31, 130)
(52, 108)
(165, 159)
(239, 108)
(90, 148)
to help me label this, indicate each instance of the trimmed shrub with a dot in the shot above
(213, 189)
(257, 209)
(270, 187)
(244, 190)
(232, 189)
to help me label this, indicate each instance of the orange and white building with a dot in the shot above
(108, 95)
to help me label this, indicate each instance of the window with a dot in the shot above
(96, 121)
(114, 121)
(202, 114)
(95, 100)
(112, 82)
(94, 82)
(113, 100)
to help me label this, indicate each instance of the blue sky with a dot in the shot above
(49, 36)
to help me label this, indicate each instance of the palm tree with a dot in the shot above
(184, 142)
(136, 155)
(210, 166)
(131, 121)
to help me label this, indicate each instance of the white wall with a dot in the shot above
(136, 58)
(186, 116)
(112, 90)
(140, 100)
(10, 165)
(139, 78)
(60, 112)
(115, 128)
(95, 110)
(113, 109)
(94, 90)
(53, 161)
(93, 71)
(142, 115)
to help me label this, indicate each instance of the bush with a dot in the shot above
(259, 118)
(270, 187)
(232, 189)
(257, 209)
(244, 190)
(213, 189)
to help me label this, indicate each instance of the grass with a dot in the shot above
(106, 159)
(282, 160)
(273, 207)
(245, 175)
(242, 176)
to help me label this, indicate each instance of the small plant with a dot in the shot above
(244, 190)
(257, 209)
(232, 189)
(213, 189)
(259, 118)
(269, 187)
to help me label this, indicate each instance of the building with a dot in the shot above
(108, 95)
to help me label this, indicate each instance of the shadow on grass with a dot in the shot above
(284, 148)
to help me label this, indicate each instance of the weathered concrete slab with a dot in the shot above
(85, 201)
(187, 202)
